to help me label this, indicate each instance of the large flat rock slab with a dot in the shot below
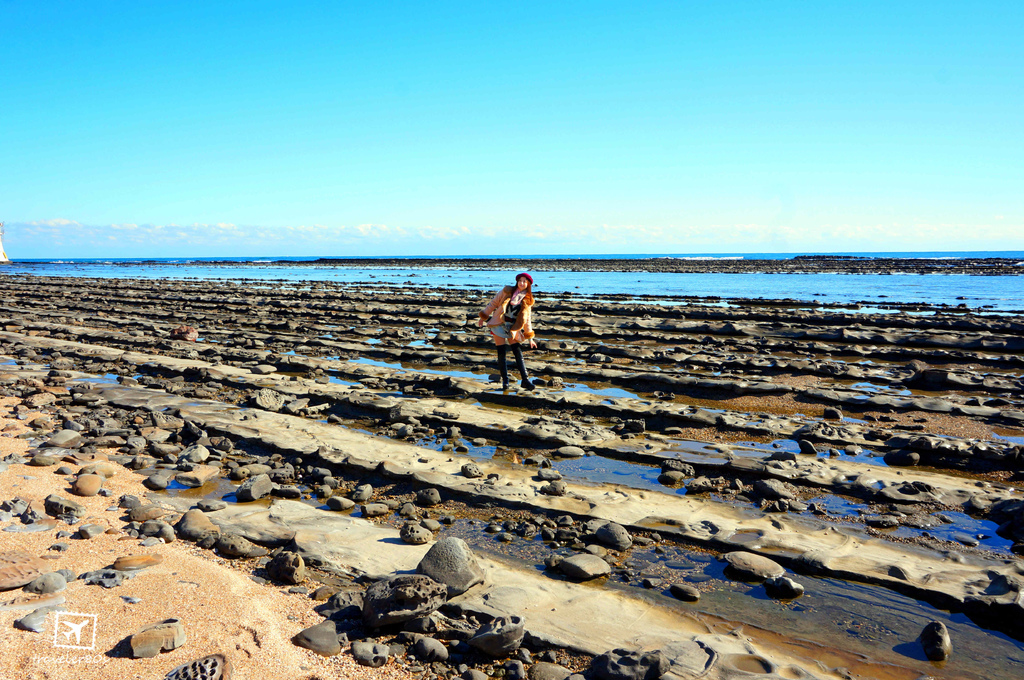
(577, 616)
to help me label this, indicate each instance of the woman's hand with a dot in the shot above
(533, 345)
(479, 322)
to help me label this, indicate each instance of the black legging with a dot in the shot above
(517, 352)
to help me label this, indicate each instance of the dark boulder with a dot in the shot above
(451, 562)
(500, 637)
(935, 641)
(401, 598)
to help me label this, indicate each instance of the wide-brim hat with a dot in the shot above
(524, 275)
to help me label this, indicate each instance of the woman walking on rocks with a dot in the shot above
(508, 319)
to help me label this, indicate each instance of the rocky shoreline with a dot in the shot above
(376, 447)
(82, 568)
(806, 264)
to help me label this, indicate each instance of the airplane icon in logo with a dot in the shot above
(76, 630)
(72, 630)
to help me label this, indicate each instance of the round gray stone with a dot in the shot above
(429, 649)
(370, 654)
(414, 534)
(340, 503)
(500, 637)
(548, 671)
(515, 670)
(375, 510)
(362, 493)
(935, 641)
(614, 536)
(195, 454)
(321, 638)
(749, 566)
(47, 583)
(584, 567)
(254, 488)
(451, 562)
(783, 588)
(684, 592)
(428, 497)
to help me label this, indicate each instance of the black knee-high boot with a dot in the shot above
(502, 365)
(517, 352)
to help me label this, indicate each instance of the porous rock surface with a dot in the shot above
(401, 598)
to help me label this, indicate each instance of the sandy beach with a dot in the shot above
(223, 610)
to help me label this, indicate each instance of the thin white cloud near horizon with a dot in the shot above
(63, 238)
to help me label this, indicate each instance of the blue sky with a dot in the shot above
(268, 128)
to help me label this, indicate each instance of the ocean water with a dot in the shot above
(992, 294)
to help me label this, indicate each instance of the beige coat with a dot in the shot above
(522, 328)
